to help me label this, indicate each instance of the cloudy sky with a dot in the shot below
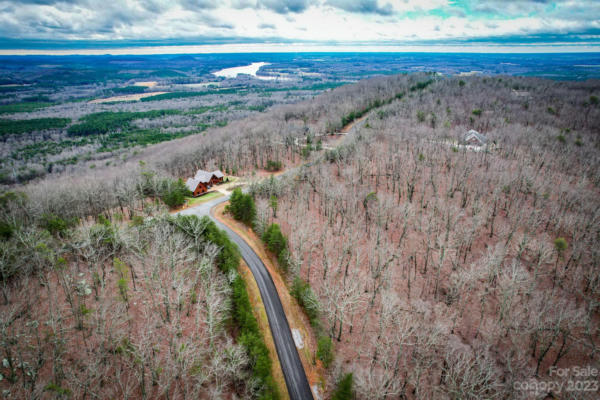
(562, 24)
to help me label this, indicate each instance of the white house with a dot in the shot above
(475, 138)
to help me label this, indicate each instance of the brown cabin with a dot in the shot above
(217, 177)
(196, 187)
(203, 180)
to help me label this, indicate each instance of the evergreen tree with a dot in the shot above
(343, 391)
(242, 206)
(274, 239)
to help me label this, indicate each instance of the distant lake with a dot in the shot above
(251, 70)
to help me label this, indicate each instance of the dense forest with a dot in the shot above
(433, 269)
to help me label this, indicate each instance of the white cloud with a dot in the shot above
(398, 21)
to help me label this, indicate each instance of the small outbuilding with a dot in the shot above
(475, 138)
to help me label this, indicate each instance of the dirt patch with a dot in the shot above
(263, 173)
(148, 84)
(227, 187)
(128, 97)
(296, 317)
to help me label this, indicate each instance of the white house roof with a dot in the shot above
(474, 134)
(217, 173)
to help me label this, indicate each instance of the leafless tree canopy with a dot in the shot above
(437, 267)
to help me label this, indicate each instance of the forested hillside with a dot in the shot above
(446, 272)
(435, 270)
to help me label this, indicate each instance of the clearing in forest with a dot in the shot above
(127, 97)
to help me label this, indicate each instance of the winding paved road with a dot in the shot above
(293, 371)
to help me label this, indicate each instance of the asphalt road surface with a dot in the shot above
(295, 377)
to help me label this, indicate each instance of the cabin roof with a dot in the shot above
(203, 176)
(192, 184)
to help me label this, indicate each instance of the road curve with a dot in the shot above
(293, 371)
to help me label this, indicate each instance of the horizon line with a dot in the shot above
(231, 48)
